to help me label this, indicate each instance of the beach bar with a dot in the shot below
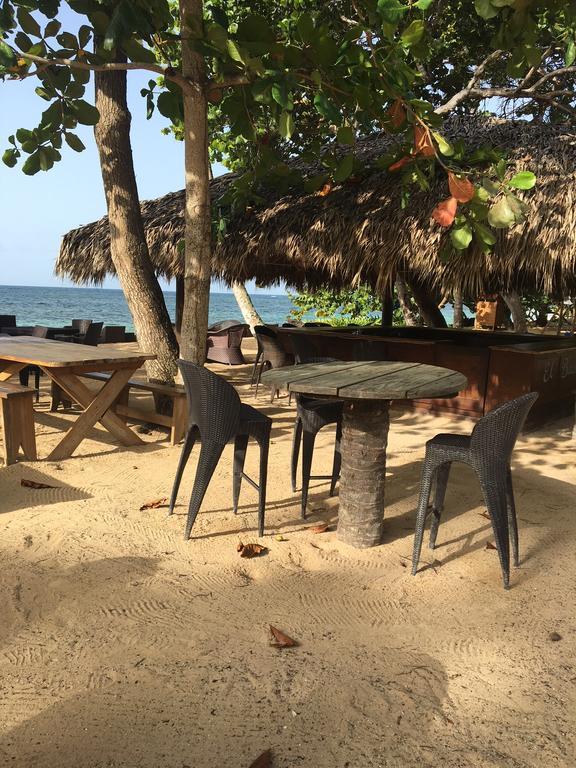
(498, 366)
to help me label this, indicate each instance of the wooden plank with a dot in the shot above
(142, 414)
(149, 386)
(332, 383)
(58, 354)
(7, 370)
(397, 386)
(8, 390)
(284, 377)
(440, 388)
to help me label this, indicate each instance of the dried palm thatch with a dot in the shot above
(360, 233)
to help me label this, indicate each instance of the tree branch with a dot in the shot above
(465, 93)
(166, 72)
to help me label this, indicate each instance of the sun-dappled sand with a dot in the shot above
(124, 646)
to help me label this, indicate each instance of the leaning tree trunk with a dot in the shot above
(427, 304)
(249, 312)
(197, 235)
(128, 246)
(402, 293)
(514, 303)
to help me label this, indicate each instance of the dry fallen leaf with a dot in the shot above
(250, 550)
(153, 504)
(280, 640)
(397, 113)
(325, 190)
(400, 163)
(489, 545)
(423, 144)
(460, 188)
(321, 528)
(263, 761)
(33, 484)
(554, 636)
(279, 537)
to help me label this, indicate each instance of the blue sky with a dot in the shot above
(35, 211)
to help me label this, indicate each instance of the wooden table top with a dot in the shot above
(369, 380)
(62, 354)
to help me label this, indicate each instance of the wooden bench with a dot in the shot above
(177, 422)
(17, 421)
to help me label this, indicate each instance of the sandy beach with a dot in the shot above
(124, 646)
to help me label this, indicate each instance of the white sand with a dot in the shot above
(123, 645)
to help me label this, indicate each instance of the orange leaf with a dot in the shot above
(397, 113)
(280, 640)
(250, 550)
(320, 528)
(153, 504)
(445, 212)
(263, 761)
(422, 142)
(326, 189)
(33, 484)
(400, 163)
(461, 189)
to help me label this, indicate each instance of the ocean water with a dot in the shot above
(57, 306)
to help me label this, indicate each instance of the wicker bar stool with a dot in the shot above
(216, 416)
(273, 354)
(312, 414)
(488, 451)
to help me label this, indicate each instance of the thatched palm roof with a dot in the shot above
(359, 232)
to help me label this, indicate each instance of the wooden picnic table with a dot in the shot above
(366, 389)
(65, 363)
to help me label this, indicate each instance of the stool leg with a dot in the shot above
(184, 456)
(209, 457)
(425, 488)
(308, 439)
(11, 443)
(240, 446)
(264, 446)
(26, 427)
(512, 522)
(296, 440)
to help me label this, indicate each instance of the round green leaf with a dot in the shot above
(32, 165)
(28, 23)
(523, 180)
(74, 142)
(413, 33)
(501, 215)
(461, 237)
(86, 113)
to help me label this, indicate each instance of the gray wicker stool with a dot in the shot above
(488, 451)
(216, 416)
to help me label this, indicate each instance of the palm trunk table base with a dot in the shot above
(362, 481)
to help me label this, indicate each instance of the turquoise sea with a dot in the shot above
(57, 306)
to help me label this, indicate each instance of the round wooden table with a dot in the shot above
(366, 389)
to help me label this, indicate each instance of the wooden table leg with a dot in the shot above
(96, 409)
(9, 369)
(364, 438)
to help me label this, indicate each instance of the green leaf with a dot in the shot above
(7, 57)
(286, 125)
(306, 27)
(423, 5)
(74, 142)
(485, 9)
(44, 94)
(84, 35)
(52, 28)
(170, 105)
(501, 169)
(28, 23)
(443, 144)
(413, 33)
(68, 40)
(10, 158)
(501, 215)
(570, 52)
(391, 10)
(32, 165)
(461, 237)
(261, 91)
(138, 52)
(86, 113)
(22, 134)
(234, 51)
(345, 135)
(23, 42)
(344, 169)
(326, 108)
(280, 94)
(523, 180)
(255, 29)
(484, 233)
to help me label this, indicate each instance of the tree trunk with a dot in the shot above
(458, 304)
(516, 308)
(388, 306)
(128, 245)
(179, 305)
(427, 304)
(402, 293)
(249, 312)
(197, 236)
